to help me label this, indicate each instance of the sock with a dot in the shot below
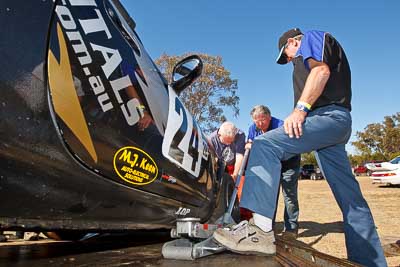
(262, 222)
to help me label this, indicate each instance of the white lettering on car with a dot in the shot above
(182, 211)
(112, 59)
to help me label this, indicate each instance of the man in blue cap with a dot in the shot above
(320, 122)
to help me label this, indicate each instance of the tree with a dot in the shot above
(308, 158)
(207, 97)
(356, 160)
(380, 141)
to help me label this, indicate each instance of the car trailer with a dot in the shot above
(194, 240)
(295, 253)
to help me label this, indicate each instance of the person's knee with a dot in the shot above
(260, 140)
(264, 145)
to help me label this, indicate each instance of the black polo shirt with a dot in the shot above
(323, 47)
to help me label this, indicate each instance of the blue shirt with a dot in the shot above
(254, 131)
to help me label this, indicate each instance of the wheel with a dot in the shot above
(65, 235)
(369, 173)
(3, 238)
(227, 188)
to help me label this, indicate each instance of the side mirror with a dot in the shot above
(186, 72)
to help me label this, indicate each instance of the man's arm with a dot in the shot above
(313, 88)
(238, 163)
(315, 82)
(239, 145)
(145, 117)
(211, 145)
(250, 137)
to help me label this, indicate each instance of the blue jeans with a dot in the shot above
(289, 181)
(326, 131)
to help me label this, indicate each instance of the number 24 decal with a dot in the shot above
(183, 143)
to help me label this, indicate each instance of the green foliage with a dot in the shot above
(207, 97)
(379, 141)
(308, 158)
(356, 160)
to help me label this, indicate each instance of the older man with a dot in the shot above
(262, 123)
(228, 143)
(320, 122)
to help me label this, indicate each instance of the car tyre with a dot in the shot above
(227, 187)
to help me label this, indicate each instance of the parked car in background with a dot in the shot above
(310, 171)
(391, 165)
(383, 166)
(391, 177)
(360, 170)
(374, 166)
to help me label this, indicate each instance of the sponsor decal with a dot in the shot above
(135, 166)
(63, 91)
(182, 211)
(169, 178)
(91, 52)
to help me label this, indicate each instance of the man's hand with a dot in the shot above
(145, 121)
(248, 144)
(234, 175)
(294, 123)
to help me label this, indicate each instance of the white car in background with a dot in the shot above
(386, 177)
(388, 173)
(383, 166)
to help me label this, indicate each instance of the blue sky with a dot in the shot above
(245, 34)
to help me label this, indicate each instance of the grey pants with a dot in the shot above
(289, 182)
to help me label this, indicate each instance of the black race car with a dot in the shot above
(92, 138)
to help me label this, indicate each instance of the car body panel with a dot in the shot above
(391, 177)
(384, 166)
(71, 153)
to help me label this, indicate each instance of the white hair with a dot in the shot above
(227, 129)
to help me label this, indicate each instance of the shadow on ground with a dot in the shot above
(314, 229)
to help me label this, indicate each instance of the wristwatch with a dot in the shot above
(302, 107)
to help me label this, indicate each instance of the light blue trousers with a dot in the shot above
(326, 130)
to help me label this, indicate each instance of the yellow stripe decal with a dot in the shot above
(65, 99)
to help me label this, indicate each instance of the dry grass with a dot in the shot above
(321, 219)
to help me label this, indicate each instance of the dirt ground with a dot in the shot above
(321, 220)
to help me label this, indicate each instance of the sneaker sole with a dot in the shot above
(256, 253)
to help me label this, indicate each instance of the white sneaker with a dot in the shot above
(246, 238)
